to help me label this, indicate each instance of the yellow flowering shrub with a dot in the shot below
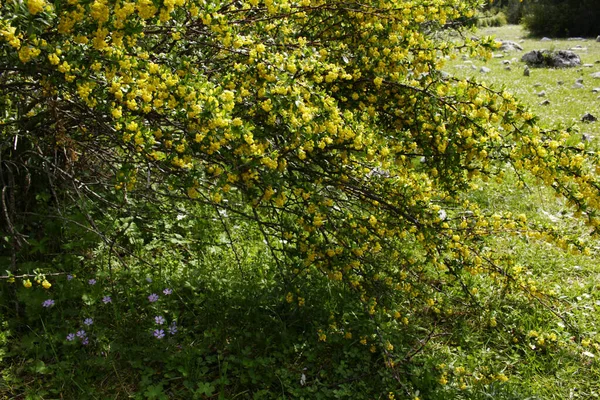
(328, 124)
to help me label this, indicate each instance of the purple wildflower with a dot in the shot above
(85, 341)
(69, 277)
(159, 333)
(48, 303)
(149, 280)
(153, 297)
(80, 334)
(159, 320)
(88, 321)
(71, 337)
(167, 291)
(173, 328)
(92, 282)
(106, 299)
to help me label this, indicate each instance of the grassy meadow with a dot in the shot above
(563, 372)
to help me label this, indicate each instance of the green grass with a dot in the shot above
(567, 104)
(569, 370)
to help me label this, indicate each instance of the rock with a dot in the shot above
(595, 75)
(598, 38)
(596, 90)
(586, 137)
(560, 83)
(508, 68)
(468, 61)
(545, 103)
(506, 62)
(579, 80)
(507, 45)
(473, 66)
(484, 70)
(572, 39)
(537, 84)
(587, 117)
(499, 55)
(578, 85)
(526, 71)
(545, 39)
(552, 59)
(588, 65)
(541, 94)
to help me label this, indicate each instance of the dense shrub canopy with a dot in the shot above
(325, 132)
(562, 18)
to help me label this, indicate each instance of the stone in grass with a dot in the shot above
(587, 117)
(598, 38)
(560, 83)
(526, 71)
(545, 39)
(596, 90)
(537, 84)
(586, 137)
(541, 94)
(551, 59)
(507, 45)
(595, 75)
(485, 70)
(588, 65)
(545, 103)
(506, 62)
(578, 85)
(508, 68)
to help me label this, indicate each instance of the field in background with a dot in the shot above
(567, 104)
(560, 373)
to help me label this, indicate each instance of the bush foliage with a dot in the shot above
(562, 18)
(265, 199)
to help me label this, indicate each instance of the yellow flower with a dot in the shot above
(36, 6)
(46, 284)
(27, 283)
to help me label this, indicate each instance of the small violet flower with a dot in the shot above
(106, 299)
(71, 337)
(153, 297)
(85, 341)
(80, 334)
(88, 321)
(167, 291)
(159, 320)
(48, 303)
(149, 280)
(173, 328)
(69, 277)
(92, 282)
(159, 333)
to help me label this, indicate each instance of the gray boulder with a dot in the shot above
(551, 59)
(485, 70)
(587, 117)
(545, 103)
(598, 38)
(507, 45)
(595, 75)
(541, 94)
